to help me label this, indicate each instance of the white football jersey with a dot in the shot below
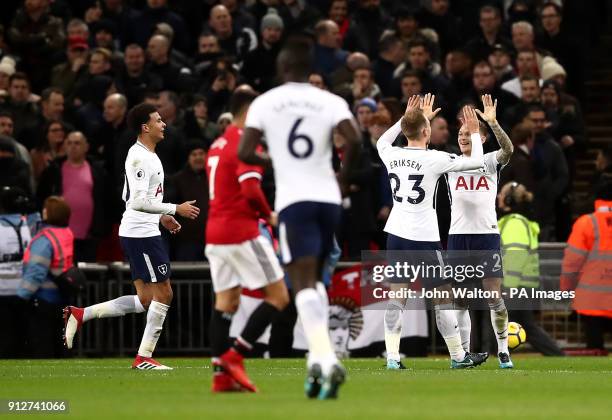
(297, 120)
(413, 174)
(473, 195)
(144, 179)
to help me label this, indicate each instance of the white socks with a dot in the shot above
(446, 320)
(155, 321)
(314, 316)
(322, 291)
(465, 327)
(393, 330)
(117, 307)
(499, 321)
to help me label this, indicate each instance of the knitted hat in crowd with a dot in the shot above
(551, 68)
(272, 20)
(7, 65)
(369, 102)
(225, 116)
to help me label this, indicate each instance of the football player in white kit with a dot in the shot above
(297, 120)
(474, 224)
(143, 193)
(412, 225)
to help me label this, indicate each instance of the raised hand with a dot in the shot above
(414, 102)
(188, 210)
(489, 113)
(426, 105)
(470, 119)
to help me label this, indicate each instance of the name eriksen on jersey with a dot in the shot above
(406, 163)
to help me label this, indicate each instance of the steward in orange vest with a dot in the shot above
(587, 266)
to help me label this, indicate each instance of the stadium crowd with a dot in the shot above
(70, 71)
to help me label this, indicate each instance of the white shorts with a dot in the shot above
(251, 264)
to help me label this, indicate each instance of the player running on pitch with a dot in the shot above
(239, 255)
(141, 240)
(297, 120)
(474, 223)
(412, 225)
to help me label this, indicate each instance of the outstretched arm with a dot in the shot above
(489, 114)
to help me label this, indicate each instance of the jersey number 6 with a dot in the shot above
(416, 187)
(295, 137)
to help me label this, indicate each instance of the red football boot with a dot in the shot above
(73, 320)
(232, 362)
(222, 382)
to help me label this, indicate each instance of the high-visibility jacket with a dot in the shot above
(40, 270)
(519, 241)
(587, 262)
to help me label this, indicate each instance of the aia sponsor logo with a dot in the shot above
(472, 183)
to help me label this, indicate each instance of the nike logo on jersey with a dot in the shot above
(470, 184)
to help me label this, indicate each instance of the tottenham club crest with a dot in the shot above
(163, 269)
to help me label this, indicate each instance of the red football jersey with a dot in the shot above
(231, 219)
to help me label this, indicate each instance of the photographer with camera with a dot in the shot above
(49, 280)
(15, 234)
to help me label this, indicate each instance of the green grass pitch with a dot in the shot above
(107, 389)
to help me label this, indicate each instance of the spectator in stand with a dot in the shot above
(318, 80)
(13, 171)
(259, 68)
(567, 125)
(99, 64)
(523, 39)
(483, 82)
(603, 168)
(76, 28)
(90, 115)
(501, 63)
(338, 12)
(367, 25)
(241, 18)
(169, 109)
(491, 34)
(381, 190)
(526, 65)
(104, 37)
(439, 18)
(107, 146)
(363, 86)
(419, 59)
(21, 105)
(567, 52)
(224, 80)
(410, 84)
(7, 69)
(551, 174)
(299, 15)
(364, 110)
(440, 135)
(328, 55)
(36, 36)
(175, 55)
(390, 108)
(208, 52)
(66, 75)
(391, 53)
(134, 79)
(6, 131)
(197, 125)
(235, 43)
(521, 166)
(81, 182)
(117, 12)
(173, 76)
(458, 74)
(344, 74)
(191, 182)
(50, 146)
(157, 11)
(52, 109)
(530, 94)
(407, 26)
(224, 120)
